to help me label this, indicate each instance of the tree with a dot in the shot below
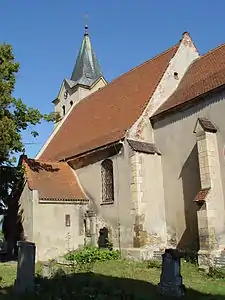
(15, 117)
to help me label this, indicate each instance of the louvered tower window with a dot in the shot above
(107, 181)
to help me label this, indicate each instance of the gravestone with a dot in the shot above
(171, 279)
(25, 267)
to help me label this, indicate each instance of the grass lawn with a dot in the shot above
(115, 280)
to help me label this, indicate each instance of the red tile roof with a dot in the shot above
(205, 74)
(53, 180)
(106, 115)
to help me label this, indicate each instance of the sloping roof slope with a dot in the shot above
(205, 74)
(104, 116)
(54, 181)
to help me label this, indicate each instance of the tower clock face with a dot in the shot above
(65, 95)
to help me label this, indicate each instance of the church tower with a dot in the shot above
(86, 78)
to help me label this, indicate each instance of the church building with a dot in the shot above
(138, 162)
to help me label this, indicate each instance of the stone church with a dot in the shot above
(138, 162)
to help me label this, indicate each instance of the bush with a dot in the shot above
(89, 255)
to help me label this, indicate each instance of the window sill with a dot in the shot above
(106, 203)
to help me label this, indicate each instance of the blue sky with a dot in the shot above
(46, 36)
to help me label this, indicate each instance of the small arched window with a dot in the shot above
(64, 110)
(71, 103)
(107, 181)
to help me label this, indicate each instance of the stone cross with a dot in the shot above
(25, 267)
(171, 279)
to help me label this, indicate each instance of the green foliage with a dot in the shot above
(114, 279)
(216, 272)
(153, 263)
(15, 117)
(90, 255)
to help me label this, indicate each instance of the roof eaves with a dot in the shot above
(102, 147)
(57, 200)
(154, 118)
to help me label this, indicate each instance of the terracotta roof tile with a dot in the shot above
(53, 180)
(204, 75)
(104, 116)
(207, 125)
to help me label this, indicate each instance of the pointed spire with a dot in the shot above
(87, 69)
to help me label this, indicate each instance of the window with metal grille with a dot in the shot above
(67, 220)
(107, 181)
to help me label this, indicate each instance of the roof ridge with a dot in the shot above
(132, 89)
(199, 85)
(147, 61)
(126, 73)
(199, 58)
(208, 52)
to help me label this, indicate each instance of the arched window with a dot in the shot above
(64, 110)
(107, 181)
(71, 103)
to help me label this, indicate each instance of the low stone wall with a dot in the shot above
(205, 259)
(141, 254)
(219, 261)
(208, 259)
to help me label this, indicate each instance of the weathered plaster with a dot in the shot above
(181, 174)
(75, 95)
(44, 224)
(184, 56)
(148, 201)
(50, 234)
(211, 220)
(115, 216)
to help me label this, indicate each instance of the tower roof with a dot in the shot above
(87, 69)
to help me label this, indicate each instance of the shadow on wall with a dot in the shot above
(103, 239)
(190, 176)
(96, 286)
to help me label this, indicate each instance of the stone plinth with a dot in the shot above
(171, 279)
(25, 267)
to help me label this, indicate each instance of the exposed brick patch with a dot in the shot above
(201, 196)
